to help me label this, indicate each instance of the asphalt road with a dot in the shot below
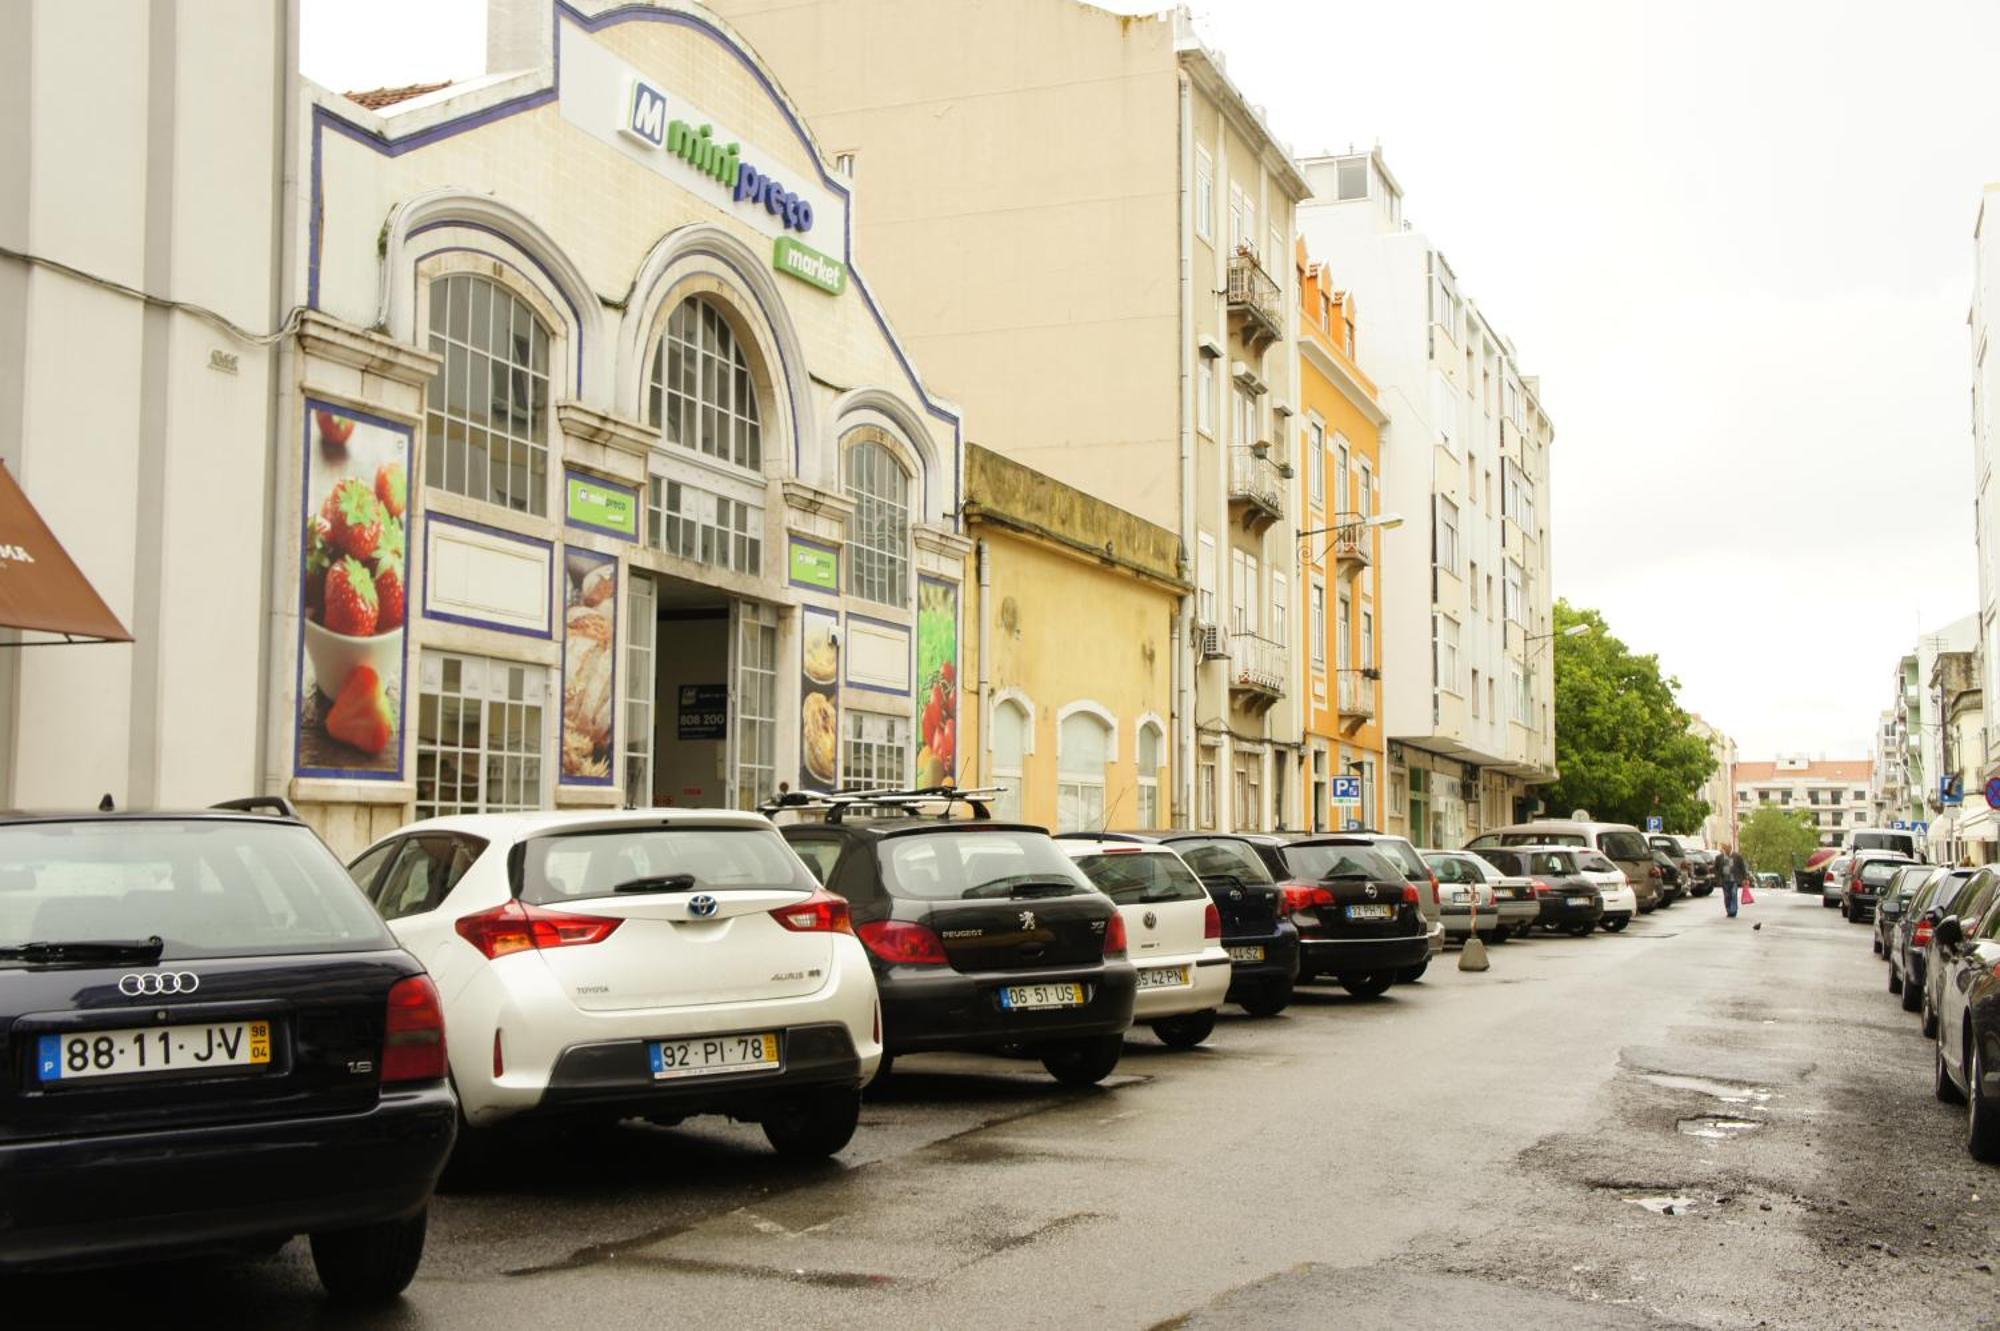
(1695, 1123)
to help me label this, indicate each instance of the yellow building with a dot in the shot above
(1069, 667)
(1339, 488)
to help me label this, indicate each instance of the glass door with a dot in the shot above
(753, 730)
(641, 640)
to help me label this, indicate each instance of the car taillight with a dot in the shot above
(518, 926)
(1114, 936)
(1211, 922)
(1434, 888)
(1654, 872)
(413, 1035)
(1295, 897)
(1410, 897)
(1921, 935)
(820, 913)
(1542, 889)
(901, 943)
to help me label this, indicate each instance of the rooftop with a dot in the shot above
(377, 98)
(1835, 769)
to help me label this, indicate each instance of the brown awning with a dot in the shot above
(41, 588)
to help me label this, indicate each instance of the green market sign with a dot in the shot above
(808, 265)
(600, 506)
(814, 566)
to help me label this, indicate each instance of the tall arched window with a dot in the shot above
(1010, 747)
(878, 544)
(701, 394)
(1150, 743)
(486, 416)
(1083, 750)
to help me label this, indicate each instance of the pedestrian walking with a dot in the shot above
(1734, 872)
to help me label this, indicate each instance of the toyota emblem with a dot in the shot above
(701, 905)
(152, 983)
(1150, 919)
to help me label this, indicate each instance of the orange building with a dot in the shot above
(1340, 484)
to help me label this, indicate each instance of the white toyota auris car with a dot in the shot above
(1173, 934)
(654, 964)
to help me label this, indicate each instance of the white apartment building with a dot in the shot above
(1833, 791)
(1719, 790)
(1985, 486)
(1465, 589)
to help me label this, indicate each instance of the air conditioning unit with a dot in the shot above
(1209, 643)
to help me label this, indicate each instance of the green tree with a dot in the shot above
(1777, 840)
(1622, 741)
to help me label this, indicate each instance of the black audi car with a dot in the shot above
(1263, 944)
(984, 935)
(1910, 944)
(209, 1043)
(1570, 901)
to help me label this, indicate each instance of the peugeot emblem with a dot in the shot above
(149, 983)
(1027, 920)
(701, 905)
(1150, 919)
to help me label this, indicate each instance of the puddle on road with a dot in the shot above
(1663, 1205)
(1728, 1092)
(1716, 1127)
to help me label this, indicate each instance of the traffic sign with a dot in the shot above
(1656, 824)
(1951, 790)
(1993, 793)
(1920, 827)
(1898, 825)
(1354, 824)
(1347, 790)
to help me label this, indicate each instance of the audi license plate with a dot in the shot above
(1016, 997)
(1163, 977)
(1246, 954)
(1378, 911)
(1583, 903)
(154, 1049)
(714, 1053)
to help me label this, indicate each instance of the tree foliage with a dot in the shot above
(1622, 740)
(1777, 840)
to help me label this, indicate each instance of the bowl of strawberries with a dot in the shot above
(354, 592)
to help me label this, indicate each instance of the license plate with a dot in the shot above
(154, 1049)
(1163, 977)
(1375, 912)
(713, 1053)
(1019, 996)
(1246, 954)
(1583, 903)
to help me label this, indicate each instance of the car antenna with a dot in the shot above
(105, 805)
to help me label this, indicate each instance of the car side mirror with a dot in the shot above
(1949, 932)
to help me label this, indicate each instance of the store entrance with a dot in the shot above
(701, 697)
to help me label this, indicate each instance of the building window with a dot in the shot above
(701, 395)
(1249, 790)
(1475, 694)
(1204, 384)
(640, 639)
(1083, 750)
(1204, 195)
(1447, 536)
(1511, 590)
(873, 752)
(711, 529)
(1518, 683)
(1242, 218)
(1010, 748)
(1343, 626)
(1364, 499)
(1318, 597)
(1316, 463)
(1367, 640)
(1339, 472)
(1204, 789)
(1281, 608)
(1472, 583)
(1247, 422)
(1447, 653)
(878, 543)
(1242, 591)
(1367, 810)
(1204, 605)
(479, 735)
(1151, 741)
(1351, 179)
(486, 414)
(756, 705)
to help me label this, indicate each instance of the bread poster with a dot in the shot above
(819, 705)
(590, 675)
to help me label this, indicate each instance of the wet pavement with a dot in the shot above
(1694, 1123)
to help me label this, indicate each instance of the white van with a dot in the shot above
(1883, 838)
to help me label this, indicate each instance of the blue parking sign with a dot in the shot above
(1347, 790)
(1656, 824)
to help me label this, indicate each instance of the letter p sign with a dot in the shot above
(646, 115)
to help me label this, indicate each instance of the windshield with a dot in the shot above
(1317, 861)
(1133, 878)
(944, 866)
(575, 865)
(1622, 845)
(1535, 839)
(1877, 872)
(1403, 853)
(1222, 858)
(205, 887)
(1883, 841)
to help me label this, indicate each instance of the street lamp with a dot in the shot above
(1354, 522)
(1573, 631)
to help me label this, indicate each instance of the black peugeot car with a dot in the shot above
(984, 935)
(209, 1043)
(1263, 944)
(1570, 902)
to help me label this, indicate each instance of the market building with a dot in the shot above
(588, 470)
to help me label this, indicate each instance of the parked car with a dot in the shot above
(1811, 876)
(1173, 935)
(1358, 917)
(1683, 877)
(214, 1045)
(1621, 843)
(1969, 902)
(1701, 862)
(1910, 949)
(1404, 856)
(656, 964)
(1567, 897)
(1907, 844)
(1893, 900)
(1507, 904)
(1263, 945)
(1968, 1028)
(1868, 871)
(1771, 882)
(1621, 903)
(1833, 881)
(1672, 886)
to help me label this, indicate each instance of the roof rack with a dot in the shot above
(837, 803)
(277, 804)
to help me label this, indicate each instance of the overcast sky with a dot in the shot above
(1733, 240)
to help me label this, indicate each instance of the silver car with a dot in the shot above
(1477, 896)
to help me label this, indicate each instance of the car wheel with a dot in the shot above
(1828, 904)
(1982, 1133)
(1267, 999)
(1185, 1031)
(1648, 910)
(1305, 976)
(812, 1124)
(1875, 945)
(1895, 980)
(1930, 1017)
(369, 1263)
(1407, 975)
(1368, 986)
(1946, 1089)
(1582, 930)
(1615, 926)
(1913, 997)
(1491, 936)
(1086, 1061)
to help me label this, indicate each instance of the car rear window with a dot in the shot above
(948, 866)
(204, 887)
(1622, 845)
(1877, 872)
(1133, 878)
(1540, 839)
(600, 862)
(1317, 861)
(1223, 858)
(1883, 841)
(1595, 863)
(1403, 853)
(1557, 862)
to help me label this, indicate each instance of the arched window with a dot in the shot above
(701, 394)
(1010, 746)
(1150, 743)
(878, 544)
(1083, 749)
(486, 417)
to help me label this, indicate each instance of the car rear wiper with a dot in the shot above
(659, 882)
(85, 950)
(1019, 886)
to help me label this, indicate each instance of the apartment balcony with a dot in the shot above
(1357, 698)
(1258, 669)
(1351, 551)
(1256, 305)
(1256, 487)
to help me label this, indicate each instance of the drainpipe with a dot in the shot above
(984, 567)
(277, 373)
(1182, 638)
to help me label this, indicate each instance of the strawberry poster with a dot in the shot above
(353, 595)
(937, 682)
